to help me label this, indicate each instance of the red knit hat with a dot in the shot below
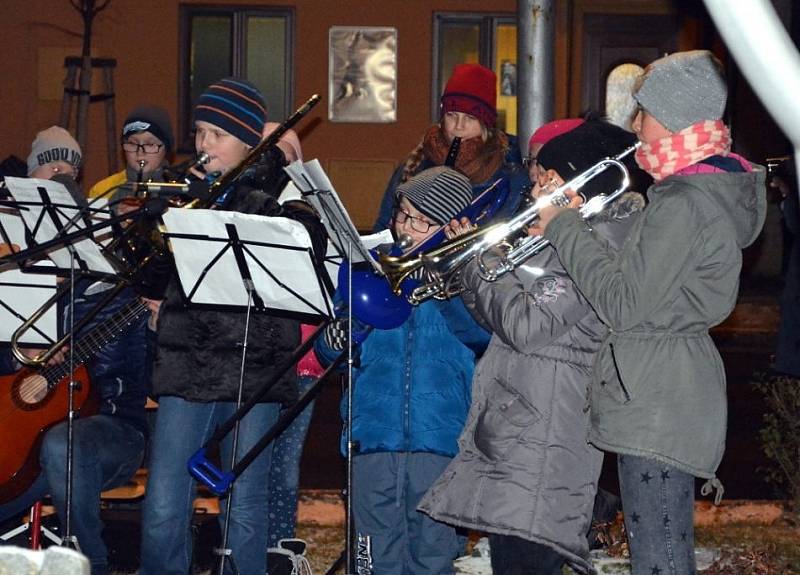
(472, 89)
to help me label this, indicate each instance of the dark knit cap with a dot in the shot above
(151, 119)
(579, 149)
(236, 106)
(472, 89)
(440, 193)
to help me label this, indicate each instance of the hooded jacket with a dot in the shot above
(659, 384)
(524, 466)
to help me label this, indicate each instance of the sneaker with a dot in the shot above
(289, 558)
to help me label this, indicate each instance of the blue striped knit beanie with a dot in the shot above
(236, 106)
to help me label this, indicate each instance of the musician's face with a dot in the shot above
(647, 128)
(53, 169)
(409, 221)
(461, 125)
(225, 150)
(144, 147)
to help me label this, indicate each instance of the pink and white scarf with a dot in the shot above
(667, 156)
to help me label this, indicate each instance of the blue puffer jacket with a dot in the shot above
(413, 384)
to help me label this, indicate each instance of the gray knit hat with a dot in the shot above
(440, 193)
(683, 88)
(53, 145)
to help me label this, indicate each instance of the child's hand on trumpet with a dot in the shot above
(458, 228)
(548, 212)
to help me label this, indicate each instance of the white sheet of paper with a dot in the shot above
(26, 190)
(310, 177)
(25, 293)
(333, 260)
(291, 282)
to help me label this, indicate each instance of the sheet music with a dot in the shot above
(316, 187)
(46, 224)
(333, 259)
(21, 294)
(278, 255)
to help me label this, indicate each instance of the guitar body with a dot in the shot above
(27, 410)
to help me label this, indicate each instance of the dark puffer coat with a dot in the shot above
(199, 349)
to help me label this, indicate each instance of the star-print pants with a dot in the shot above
(658, 504)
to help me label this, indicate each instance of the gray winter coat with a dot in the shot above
(659, 382)
(524, 466)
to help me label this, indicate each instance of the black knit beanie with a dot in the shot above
(579, 149)
(151, 119)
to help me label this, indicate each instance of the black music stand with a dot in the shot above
(58, 226)
(50, 212)
(21, 294)
(255, 262)
(316, 188)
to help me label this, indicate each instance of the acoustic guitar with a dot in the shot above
(32, 401)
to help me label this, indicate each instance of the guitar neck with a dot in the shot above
(100, 336)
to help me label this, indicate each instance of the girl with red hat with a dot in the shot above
(468, 111)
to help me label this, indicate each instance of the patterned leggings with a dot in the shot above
(658, 504)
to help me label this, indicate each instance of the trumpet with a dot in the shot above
(154, 239)
(442, 265)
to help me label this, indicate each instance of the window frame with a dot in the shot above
(488, 23)
(238, 13)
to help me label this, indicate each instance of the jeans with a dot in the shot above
(107, 452)
(284, 474)
(658, 504)
(516, 556)
(387, 487)
(182, 427)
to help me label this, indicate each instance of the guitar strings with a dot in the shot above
(99, 336)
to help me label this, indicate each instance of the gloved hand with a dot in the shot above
(336, 333)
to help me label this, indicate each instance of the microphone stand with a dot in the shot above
(224, 551)
(69, 540)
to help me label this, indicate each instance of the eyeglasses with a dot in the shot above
(417, 224)
(528, 161)
(145, 148)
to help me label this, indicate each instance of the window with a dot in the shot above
(251, 43)
(487, 39)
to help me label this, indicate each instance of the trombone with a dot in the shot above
(442, 265)
(215, 191)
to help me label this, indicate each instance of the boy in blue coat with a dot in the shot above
(410, 399)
